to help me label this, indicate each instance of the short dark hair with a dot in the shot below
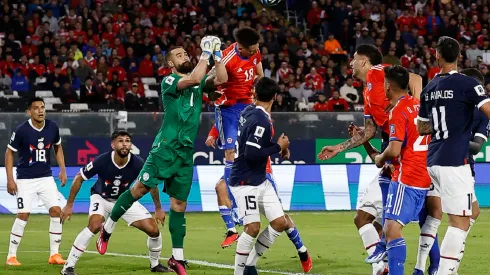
(168, 54)
(398, 75)
(371, 52)
(120, 133)
(475, 73)
(246, 36)
(34, 99)
(266, 89)
(448, 48)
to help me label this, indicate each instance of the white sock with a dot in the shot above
(243, 248)
(370, 237)
(428, 234)
(109, 225)
(16, 236)
(79, 246)
(178, 254)
(461, 254)
(55, 230)
(264, 241)
(155, 248)
(450, 248)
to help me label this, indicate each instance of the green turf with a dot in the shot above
(331, 237)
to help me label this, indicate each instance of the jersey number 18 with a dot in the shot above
(40, 155)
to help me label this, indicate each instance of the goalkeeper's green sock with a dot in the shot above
(122, 205)
(177, 228)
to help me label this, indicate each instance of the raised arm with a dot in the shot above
(195, 78)
(415, 85)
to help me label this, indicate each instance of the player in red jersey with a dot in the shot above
(367, 67)
(243, 64)
(407, 191)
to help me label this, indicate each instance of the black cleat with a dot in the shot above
(68, 271)
(250, 270)
(160, 268)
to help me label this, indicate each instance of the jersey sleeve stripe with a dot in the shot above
(82, 174)
(395, 139)
(11, 147)
(482, 136)
(59, 142)
(422, 118)
(228, 57)
(483, 102)
(253, 144)
(367, 116)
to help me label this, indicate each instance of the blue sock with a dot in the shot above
(434, 254)
(397, 253)
(226, 216)
(228, 166)
(293, 235)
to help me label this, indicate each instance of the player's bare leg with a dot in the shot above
(293, 235)
(124, 202)
(177, 228)
(428, 232)
(475, 213)
(15, 238)
(225, 209)
(150, 227)
(370, 233)
(81, 242)
(55, 230)
(264, 242)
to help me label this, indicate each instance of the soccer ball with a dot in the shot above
(270, 2)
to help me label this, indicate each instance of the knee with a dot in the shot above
(94, 225)
(178, 205)
(219, 186)
(289, 221)
(55, 211)
(252, 229)
(139, 190)
(280, 224)
(230, 154)
(152, 230)
(362, 218)
(23, 216)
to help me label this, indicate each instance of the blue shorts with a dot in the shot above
(226, 120)
(404, 203)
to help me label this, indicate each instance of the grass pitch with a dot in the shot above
(331, 238)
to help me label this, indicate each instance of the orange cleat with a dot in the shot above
(306, 262)
(231, 237)
(12, 261)
(56, 259)
(386, 271)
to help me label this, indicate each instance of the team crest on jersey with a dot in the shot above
(229, 140)
(146, 176)
(255, 61)
(40, 145)
(392, 129)
(117, 182)
(369, 86)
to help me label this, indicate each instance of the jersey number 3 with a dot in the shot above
(421, 143)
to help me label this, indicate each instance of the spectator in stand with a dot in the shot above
(314, 81)
(300, 93)
(391, 58)
(473, 53)
(102, 66)
(348, 92)
(282, 105)
(116, 68)
(336, 103)
(321, 105)
(77, 54)
(73, 79)
(37, 69)
(84, 71)
(365, 38)
(332, 45)
(90, 93)
(407, 58)
(146, 67)
(68, 94)
(132, 101)
(330, 87)
(20, 83)
(5, 82)
(284, 72)
(56, 80)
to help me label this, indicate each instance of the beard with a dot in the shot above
(122, 153)
(185, 67)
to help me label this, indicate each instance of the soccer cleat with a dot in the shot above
(231, 237)
(68, 271)
(12, 261)
(250, 270)
(56, 259)
(160, 269)
(433, 270)
(417, 272)
(385, 272)
(378, 255)
(102, 241)
(177, 266)
(306, 262)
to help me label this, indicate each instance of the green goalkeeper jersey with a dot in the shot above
(182, 114)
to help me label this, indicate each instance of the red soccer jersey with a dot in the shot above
(413, 156)
(241, 75)
(375, 100)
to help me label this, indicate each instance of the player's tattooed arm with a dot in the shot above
(370, 150)
(424, 127)
(363, 136)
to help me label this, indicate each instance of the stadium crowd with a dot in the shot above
(98, 51)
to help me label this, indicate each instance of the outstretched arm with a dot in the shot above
(415, 85)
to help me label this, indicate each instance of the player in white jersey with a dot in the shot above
(33, 140)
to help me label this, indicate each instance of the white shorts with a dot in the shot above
(103, 207)
(455, 186)
(254, 200)
(371, 201)
(30, 191)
